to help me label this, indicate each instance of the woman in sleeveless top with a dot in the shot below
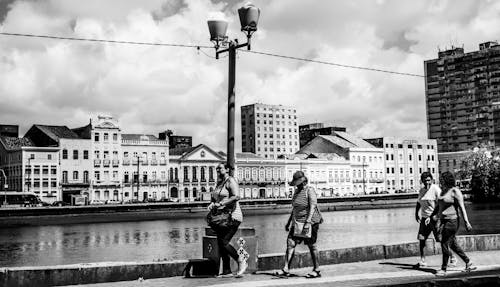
(450, 201)
(226, 195)
(305, 211)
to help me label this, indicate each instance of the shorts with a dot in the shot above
(425, 230)
(307, 241)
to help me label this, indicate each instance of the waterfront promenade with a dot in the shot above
(387, 272)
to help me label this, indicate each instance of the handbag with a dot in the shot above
(219, 217)
(298, 230)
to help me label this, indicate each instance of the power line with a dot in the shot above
(334, 64)
(104, 40)
(199, 47)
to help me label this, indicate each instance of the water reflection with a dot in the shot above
(181, 238)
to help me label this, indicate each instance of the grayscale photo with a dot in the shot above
(258, 143)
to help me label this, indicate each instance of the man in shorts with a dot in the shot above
(426, 202)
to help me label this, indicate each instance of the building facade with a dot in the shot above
(310, 131)
(145, 168)
(176, 141)
(405, 159)
(463, 97)
(269, 130)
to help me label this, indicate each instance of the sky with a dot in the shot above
(150, 89)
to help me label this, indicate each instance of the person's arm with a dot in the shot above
(287, 226)
(460, 199)
(417, 209)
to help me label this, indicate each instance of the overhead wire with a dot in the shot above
(200, 47)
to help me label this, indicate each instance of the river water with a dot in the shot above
(182, 238)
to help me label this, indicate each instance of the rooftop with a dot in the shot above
(13, 143)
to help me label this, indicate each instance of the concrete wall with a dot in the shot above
(119, 271)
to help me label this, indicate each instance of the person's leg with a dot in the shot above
(447, 233)
(290, 251)
(224, 256)
(424, 231)
(226, 240)
(454, 244)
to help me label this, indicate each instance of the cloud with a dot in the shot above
(154, 88)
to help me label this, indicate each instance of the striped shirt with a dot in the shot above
(301, 202)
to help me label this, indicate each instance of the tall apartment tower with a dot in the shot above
(269, 130)
(463, 98)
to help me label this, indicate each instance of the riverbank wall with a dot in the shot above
(128, 271)
(33, 216)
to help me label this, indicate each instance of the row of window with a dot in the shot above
(401, 170)
(105, 137)
(85, 154)
(410, 157)
(265, 122)
(409, 146)
(271, 149)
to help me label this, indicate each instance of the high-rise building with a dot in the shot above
(310, 131)
(176, 141)
(269, 130)
(463, 98)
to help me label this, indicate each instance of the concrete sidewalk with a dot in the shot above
(398, 271)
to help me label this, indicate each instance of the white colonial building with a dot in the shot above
(405, 159)
(145, 167)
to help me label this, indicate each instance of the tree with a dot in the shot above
(482, 168)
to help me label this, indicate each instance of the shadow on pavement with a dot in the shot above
(406, 266)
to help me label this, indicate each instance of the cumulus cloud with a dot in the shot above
(153, 88)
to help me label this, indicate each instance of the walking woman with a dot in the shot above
(426, 203)
(450, 201)
(305, 215)
(225, 199)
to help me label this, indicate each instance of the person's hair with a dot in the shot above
(448, 179)
(226, 165)
(425, 175)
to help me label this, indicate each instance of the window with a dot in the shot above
(85, 154)
(64, 176)
(85, 176)
(75, 154)
(105, 137)
(96, 137)
(97, 175)
(65, 154)
(115, 137)
(49, 157)
(75, 175)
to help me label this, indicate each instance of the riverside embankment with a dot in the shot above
(382, 264)
(32, 216)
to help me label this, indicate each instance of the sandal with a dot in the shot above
(282, 273)
(314, 274)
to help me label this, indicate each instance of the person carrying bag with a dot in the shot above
(224, 217)
(303, 224)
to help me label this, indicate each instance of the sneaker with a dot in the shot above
(470, 266)
(440, 272)
(242, 266)
(453, 262)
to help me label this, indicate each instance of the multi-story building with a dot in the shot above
(192, 174)
(145, 167)
(29, 168)
(462, 94)
(9, 131)
(176, 141)
(405, 159)
(310, 131)
(452, 161)
(269, 130)
(73, 156)
(260, 177)
(366, 164)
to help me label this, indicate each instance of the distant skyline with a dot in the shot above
(150, 89)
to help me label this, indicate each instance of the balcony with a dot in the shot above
(154, 162)
(144, 162)
(97, 162)
(126, 161)
(163, 162)
(116, 162)
(106, 162)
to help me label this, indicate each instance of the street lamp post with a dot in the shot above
(364, 184)
(249, 17)
(5, 187)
